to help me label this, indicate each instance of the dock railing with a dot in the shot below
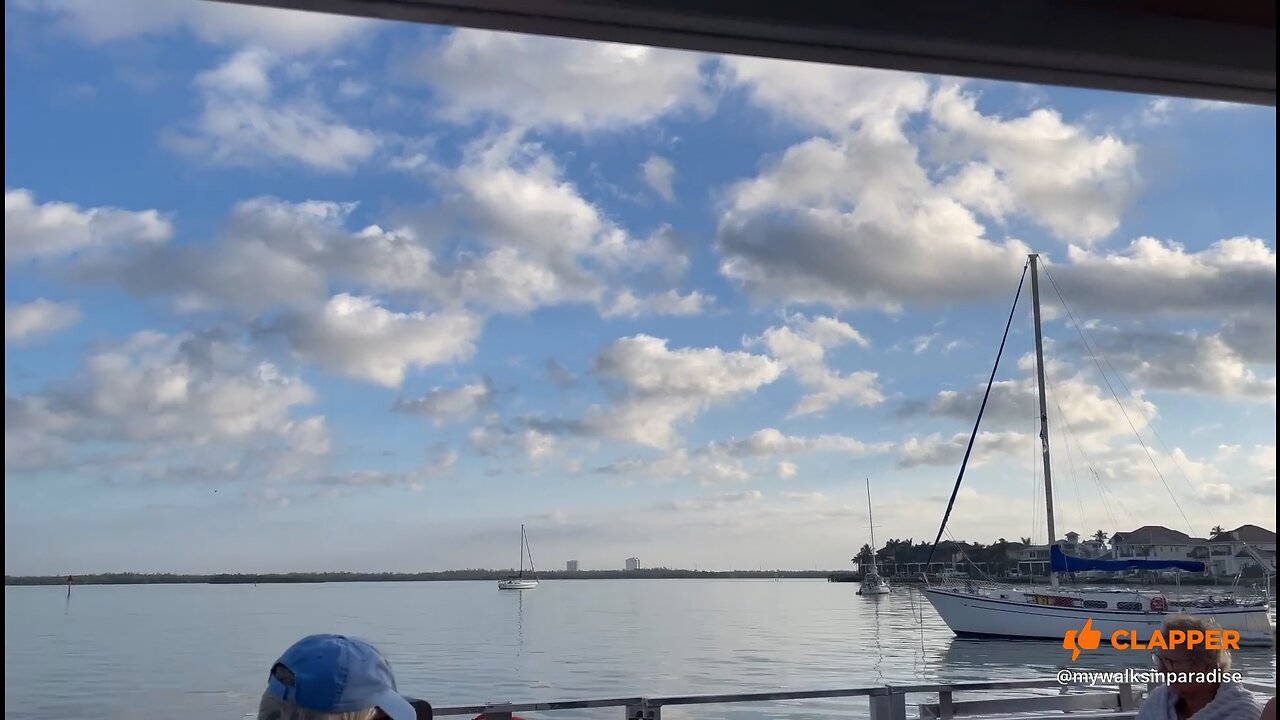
(888, 702)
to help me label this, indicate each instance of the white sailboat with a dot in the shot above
(520, 581)
(974, 608)
(872, 583)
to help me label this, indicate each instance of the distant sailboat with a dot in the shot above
(520, 581)
(872, 583)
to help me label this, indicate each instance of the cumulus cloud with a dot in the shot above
(659, 174)
(504, 442)
(937, 450)
(51, 229)
(1184, 361)
(27, 322)
(801, 347)
(274, 254)
(663, 387)
(771, 441)
(826, 97)
(533, 81)
(1054, 173)
(854, 222)
(672, 302)
(354, 335)
(535, 240)
(1077, 405)
(1155, 277)
(446, 405)
(245, 121)
(167, 406)
(216, 23)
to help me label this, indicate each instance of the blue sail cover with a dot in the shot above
(1062, 562)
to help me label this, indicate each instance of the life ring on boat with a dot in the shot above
(1159, 604)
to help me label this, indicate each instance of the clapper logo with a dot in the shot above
(1086, 638)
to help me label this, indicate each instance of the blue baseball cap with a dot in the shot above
(336, 673)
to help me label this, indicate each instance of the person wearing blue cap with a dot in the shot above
(335, 677)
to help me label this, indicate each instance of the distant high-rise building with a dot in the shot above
(633, 563)
(571, 566)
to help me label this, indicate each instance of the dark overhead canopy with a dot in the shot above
(1219, 50)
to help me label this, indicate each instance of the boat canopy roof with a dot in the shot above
(1062, 562)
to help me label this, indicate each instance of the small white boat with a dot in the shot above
(520, 581)
(872, 583)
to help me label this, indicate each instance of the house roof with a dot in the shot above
(1245, 533)
(1154, 535)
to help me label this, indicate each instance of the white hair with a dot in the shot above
(273, 708)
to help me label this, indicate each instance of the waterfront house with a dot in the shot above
(1156, 542)
(1227, 554)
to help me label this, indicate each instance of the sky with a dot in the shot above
(295, 292)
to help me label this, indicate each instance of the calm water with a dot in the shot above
(202, 652)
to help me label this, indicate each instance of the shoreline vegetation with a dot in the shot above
(128, 578)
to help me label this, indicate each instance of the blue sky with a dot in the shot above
(291, 291)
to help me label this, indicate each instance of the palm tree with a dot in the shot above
(1100, 536)
(1217, 530)
(1025, 541)
(865, 556)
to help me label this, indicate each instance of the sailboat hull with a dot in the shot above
(516, 584)
(984, 615)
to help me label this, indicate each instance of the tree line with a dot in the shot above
(129, 578)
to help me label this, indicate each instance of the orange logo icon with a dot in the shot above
(1085, 638)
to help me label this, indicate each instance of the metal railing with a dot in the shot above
(888, 702)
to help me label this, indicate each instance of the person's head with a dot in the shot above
(1198, 659)
(334, 677)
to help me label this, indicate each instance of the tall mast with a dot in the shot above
(1044, 413)
(875, 566)
(521, 550)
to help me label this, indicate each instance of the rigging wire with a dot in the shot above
(1089, 348)
(1154, 432)
(1066, 447)
(978, 421)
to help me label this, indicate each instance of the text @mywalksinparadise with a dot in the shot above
(1134, 676)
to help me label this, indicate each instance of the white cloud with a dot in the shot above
(356, 336)
(1216, 493)
(802, 345)
(830, 97)
(536, 81)
(500, 442)
(1263, 461)
(771, 441)
(51, 229)
(275, 254)
(192, 405)
(937, 450)
(922, 342)
(664, 386)
(787, 470)
(541, 242)
(1151, 276)
(245, 122)
(1074, 184)
(671, 302)
(857, 222)
(445, 405)
(1184, 361)
(25, 322)
(213, 22)
(659, 174)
